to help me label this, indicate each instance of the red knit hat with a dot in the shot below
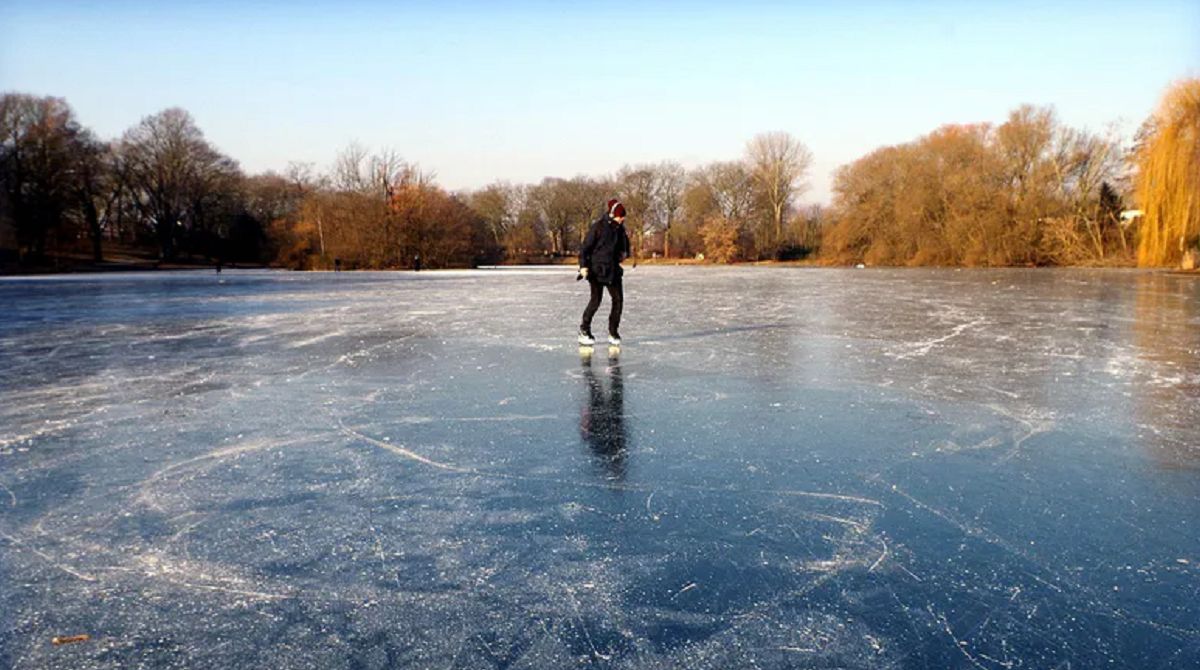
(615, 208)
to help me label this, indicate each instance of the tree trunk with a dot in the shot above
(93, 221)
(778, 207)
(165, 229)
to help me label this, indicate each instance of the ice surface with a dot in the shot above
(780, 468)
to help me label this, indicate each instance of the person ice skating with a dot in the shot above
(606, 245)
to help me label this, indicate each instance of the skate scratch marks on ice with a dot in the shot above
(650, 512)
(826, 496)
(182, 573)
(689, 587)
(407, 453)
(1034, 425)
(416, 420)
(216, 454)
(960, 645)
(315, 339)
(50, 427)
(1100, 609)
(836, 519)
(882, 555)
(12, 496)
(971, 531)
(449, 467)
(923, 348)
(49, 559)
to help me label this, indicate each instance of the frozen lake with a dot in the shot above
(781, 468)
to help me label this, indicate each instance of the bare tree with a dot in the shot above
(779, 164)
(40, 147)
(637, 188)
(528, 235)
(301, 182)
(722, 198)
(497, 205)
(1083, 163)
(554, 210)
(98, 189)
(1030, 191)
(388, 170)
(671, 181)
(809, 225)
(177, 178)
(351, 171)
(302, 177)
(565, 207)
(731, 186)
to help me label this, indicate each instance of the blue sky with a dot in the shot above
(483, 91)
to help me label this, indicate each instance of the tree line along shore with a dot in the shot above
(1031, 191)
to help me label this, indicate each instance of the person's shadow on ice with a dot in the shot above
(602, 418)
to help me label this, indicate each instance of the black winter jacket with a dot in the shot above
(606, 245)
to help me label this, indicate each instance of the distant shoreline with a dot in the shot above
(149, 266)
(116, 266)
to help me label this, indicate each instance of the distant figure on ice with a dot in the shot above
(417, 263)
(602, 420)
(606, 245)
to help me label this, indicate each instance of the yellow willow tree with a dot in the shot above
(1168, 179)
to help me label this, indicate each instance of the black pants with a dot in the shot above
(617, 293)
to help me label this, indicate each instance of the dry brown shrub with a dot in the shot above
(720, 237)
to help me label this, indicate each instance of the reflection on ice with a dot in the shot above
(781, 468)
(602, 422)
(1166, 367)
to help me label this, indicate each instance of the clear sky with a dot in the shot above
(480, 91)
